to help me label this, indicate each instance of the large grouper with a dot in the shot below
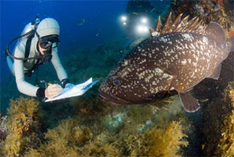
(176, 57)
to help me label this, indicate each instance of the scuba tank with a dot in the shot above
(30, 26)
(28, 31)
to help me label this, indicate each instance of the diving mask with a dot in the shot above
(48, 42)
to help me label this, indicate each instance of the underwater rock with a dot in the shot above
(115, 121)
(221, 11)
(226, 144)
(218, 115)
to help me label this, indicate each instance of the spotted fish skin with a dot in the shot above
(171, 61)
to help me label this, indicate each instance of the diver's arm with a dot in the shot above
(23, 86)
(61, 73)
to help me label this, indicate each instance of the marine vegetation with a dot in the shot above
(127, 131)
(3, 128)
(226, 144)
(166, 142)
(155, 141)
(63, 140)
(70, 139)
(23, 127)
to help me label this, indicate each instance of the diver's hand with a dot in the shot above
(53, 90)
(69, 85)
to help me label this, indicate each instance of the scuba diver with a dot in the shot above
(135, 11)
(36, 47)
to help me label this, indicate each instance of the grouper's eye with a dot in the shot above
(116, 82)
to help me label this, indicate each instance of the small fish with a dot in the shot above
(174, 59)
(204, 100)
(134, 13)
(121, 51)
(81, 22)
(136, 42)
(126, 43)
(156, 11)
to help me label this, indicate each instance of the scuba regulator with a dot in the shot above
(48, 42)
(47, 55)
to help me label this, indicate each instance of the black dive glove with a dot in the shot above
(41, 92)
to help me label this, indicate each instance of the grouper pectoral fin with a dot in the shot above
(215, 74)
(189, 103)
(215, 31)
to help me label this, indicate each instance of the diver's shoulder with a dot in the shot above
(20, 46)
(22, 42)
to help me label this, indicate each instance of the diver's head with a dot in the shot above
(48, 26)
(45, 46)
(48, 42)
(47, 33)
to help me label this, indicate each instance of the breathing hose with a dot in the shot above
(7, 51)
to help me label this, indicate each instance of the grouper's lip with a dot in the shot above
(110, 99)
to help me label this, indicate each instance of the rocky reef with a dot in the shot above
(84, 126)
(122, 131)
(23, 127)
(119, 131)
(219, 116)
(220, 11)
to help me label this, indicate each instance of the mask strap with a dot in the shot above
(38, 35)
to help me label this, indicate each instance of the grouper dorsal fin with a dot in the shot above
(194, 25)
(216, 32)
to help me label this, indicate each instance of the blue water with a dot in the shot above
(101, 15)
(103, 23)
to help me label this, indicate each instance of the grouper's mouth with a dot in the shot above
(110, 99)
